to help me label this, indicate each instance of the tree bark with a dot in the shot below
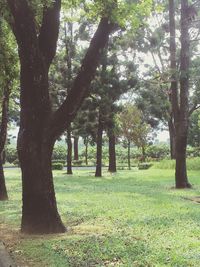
(143, 154)
(3, 135)
(180, 105)
(3, 190)
(86, 151)
(98, 172)
(172, 139)
(129, 155)
(69, 151)
(76, 156)
(39, 127)
(112, 154)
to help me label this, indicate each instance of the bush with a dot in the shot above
(77, 162)
(144, 166)
(192, 164)
(16, 162)
(59, 153)
(57, 166)
(11, 154)
(158, 151)
(63, 162)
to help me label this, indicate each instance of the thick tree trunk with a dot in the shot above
(69, 152)
(39, 211)
(112, 154)
(172, 139)
(129, 155)
(76, 156)
(3, 191)
(99, 150)
(39, 128)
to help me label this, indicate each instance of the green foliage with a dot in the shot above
(77, 162)
(158, 151)
(57, 166)
(192, 164)
(11, 154)
(144, 166)
(59, 153)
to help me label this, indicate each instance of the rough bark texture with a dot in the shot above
(76, 156)
(39, 127)
(69, 151)
(3, 191)
(172, 139)
(112, 154)
(129, 155)
(98, 172)
(180, 105)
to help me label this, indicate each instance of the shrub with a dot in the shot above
(192, 164)
(77, 162)
(11, 154)
(59, 153)
(57, 166)
(144, 166)
(63, 162)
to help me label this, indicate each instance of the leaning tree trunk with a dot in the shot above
(3, 135)
(112, 154)
(69, 151)
(129, 155)
(76, 156)
(98, 172)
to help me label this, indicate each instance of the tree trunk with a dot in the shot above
(3, 191)
(39, 211)
(129, 155)
(143, 154)
(3, 135)
(69, 151)
(99, 149)
(86, 152)
(172, 139)
(180, 105)
(112, 154)
(76, 156)
(182, 125)
(39, 127)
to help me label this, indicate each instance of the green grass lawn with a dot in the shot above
(133, 218)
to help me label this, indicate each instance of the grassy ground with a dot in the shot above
(133, 218)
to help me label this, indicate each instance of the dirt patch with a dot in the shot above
(12, 237)
(193, 199)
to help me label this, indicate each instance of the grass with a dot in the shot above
(192, 164)
(133, 218)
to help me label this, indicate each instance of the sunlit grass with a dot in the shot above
(133, 218)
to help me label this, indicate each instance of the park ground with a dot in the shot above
(132, 218)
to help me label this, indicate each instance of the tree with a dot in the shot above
(180, 101)
(8, 65)
(39, 126)
(133, 129)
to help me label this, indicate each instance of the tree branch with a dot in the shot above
(49, 31)
(81, 86)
